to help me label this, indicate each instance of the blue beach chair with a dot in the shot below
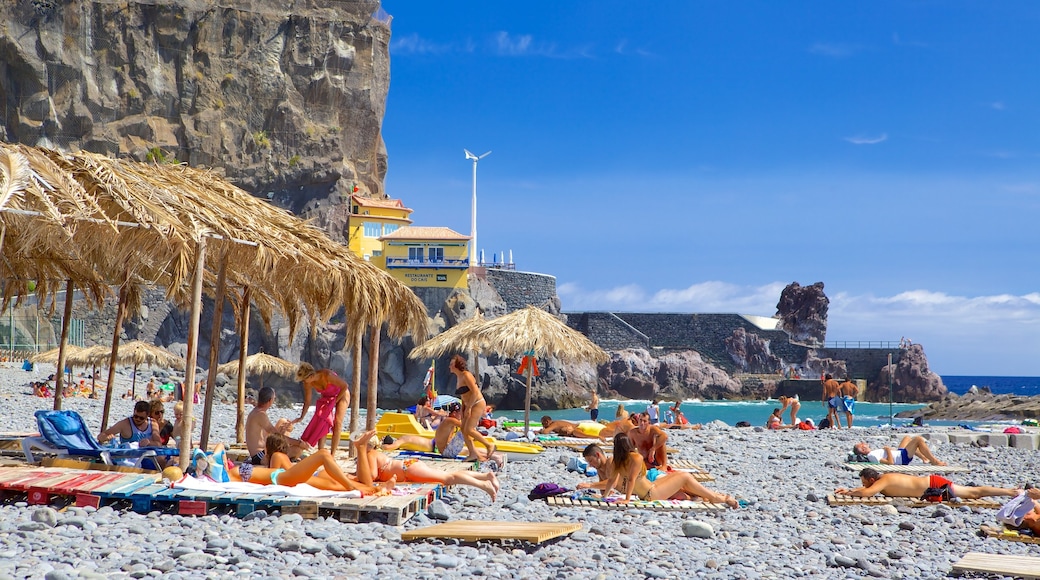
(64, 433)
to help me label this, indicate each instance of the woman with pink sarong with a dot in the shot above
(330, 408)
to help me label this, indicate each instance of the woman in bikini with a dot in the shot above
(333, 397)
(629, 471)
(473, 406)
(316, 470)
(792, 402)
(372, 461)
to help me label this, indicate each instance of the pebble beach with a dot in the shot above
(785, 530)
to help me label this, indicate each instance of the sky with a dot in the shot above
(699, 156)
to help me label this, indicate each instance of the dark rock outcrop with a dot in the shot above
(979, 406)
(911, 380)
(634, 374)
(750, 353)
(802, 311)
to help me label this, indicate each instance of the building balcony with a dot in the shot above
(452, 264)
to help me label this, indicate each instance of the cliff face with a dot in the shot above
(802, 311)
(287, 99)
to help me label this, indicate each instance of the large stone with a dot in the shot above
(802, 311)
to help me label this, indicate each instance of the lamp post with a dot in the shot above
(473, 222)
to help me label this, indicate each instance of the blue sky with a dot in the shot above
(696, 156)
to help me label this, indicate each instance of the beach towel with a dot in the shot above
(1013, 512)
(544, 490)
(301, 490)
(321, 422)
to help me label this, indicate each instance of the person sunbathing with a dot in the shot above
(447, 439)
(374, 465)
(318, 470)
(909, 447)
(629, 476)
(904, 485)
(623, 424)
(564, 428)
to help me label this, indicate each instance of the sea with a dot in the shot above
(756, 412)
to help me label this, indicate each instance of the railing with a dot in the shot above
(424, 263)
(861, 344)
(497, 265)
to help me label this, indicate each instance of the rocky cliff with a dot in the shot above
(286, 98)
(912, 378)
(979, 405)
(802, 311)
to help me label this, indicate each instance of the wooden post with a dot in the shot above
(192, 355)
(243, 346)
(355, 383)
(62, 344)
(373, 376)
(120, 314)
(527, 401)
(214, 350)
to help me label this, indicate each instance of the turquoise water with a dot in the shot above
(731, 412)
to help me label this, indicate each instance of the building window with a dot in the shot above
(437, 255)
(415, 255)
(373, 229)
(390, 228)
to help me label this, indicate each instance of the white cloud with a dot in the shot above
(414, 44)
(506, 44)
(863, 140)
(834, 50)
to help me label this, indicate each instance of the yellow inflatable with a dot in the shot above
(395, 424)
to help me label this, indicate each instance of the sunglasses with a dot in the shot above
(160, 412)
(141, 417)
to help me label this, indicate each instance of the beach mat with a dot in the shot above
(682, 505)
(1003, 533)
(473, 531)
(1002, 564)
(920, 469)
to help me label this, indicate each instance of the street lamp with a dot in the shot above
(473, 223)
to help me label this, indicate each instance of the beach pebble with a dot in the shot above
(45, 515)
(697, 529)
(438, 510)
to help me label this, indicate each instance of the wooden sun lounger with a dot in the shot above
(834, 500)
(1003, 533)
(1002, 564)
(473, 531)
(918, 468)
(655, 505)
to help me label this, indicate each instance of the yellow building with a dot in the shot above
(426, 257)
(371, 219)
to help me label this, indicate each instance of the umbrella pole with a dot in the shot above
(214, 349)
(193, 341)
(63, 342)
(355, 394)
(243, 345)
(373, 376)
(93, 381)
(133, 383)
(527, 400)
(120, 313)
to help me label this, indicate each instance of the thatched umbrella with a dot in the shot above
(136, 353)
(260, 364)
(529, 332)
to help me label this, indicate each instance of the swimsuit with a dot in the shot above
(245, 471)
(275, 474)
(462, 390)
(939, 481)
(257, 459)
(454, 446)
(850, 404)
(901, 458)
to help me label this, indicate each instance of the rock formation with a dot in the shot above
(750, 353)
(979, 406)
(911, 379)
(287, 100)
(634, 374)
(802, 311)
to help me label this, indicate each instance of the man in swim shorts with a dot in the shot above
(904, 485)
(650, 441)
(564, 429)
(849, 391)
(832, 400)
(258, 427)
(911, 446)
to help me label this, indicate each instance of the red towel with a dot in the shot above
(321, 422)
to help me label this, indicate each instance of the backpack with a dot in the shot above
(544, 490)
(937, 494)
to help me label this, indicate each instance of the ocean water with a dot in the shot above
(756, 412)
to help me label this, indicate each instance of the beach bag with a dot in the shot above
(577, 464)
(1013, 512)
(937, 494)
(544, 490)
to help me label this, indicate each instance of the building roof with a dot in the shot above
(425, 233)
(373, 202)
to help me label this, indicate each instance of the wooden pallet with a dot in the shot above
(474, 531)
(1002, 564)
(1003, 533)
(921, 468)
(984, 503)
(834, 500)
(698, 473)
(656, 505)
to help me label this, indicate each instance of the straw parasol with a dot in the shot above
(530, 332)
(260, 364)
(136, 353)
